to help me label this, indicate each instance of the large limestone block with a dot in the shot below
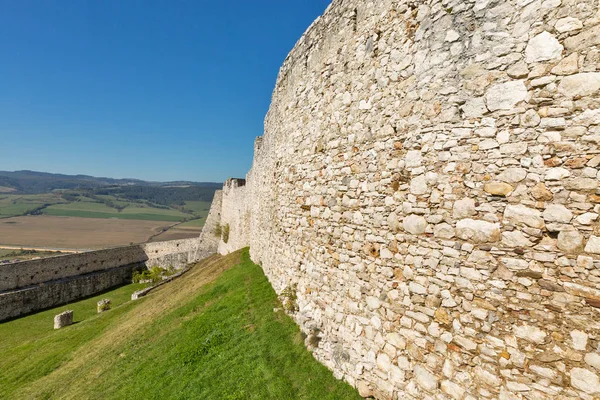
(63, 319)
(543, 47)
(415, 224)
(504, 96)
(570, 241)
(583, 84)
(425, 379)
(530, 333)
(464, 208)
(568, 24)
(584, 40)
(593, 245)
(557, 213)
(585, 380)
(512, 175)
(498, 188)
(477, 231)
(520, 214)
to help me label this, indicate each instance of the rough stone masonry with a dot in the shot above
(429, 179)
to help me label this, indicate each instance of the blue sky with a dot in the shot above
(156, 90)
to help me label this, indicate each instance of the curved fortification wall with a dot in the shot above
(428, 180)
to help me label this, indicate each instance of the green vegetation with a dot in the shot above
(154, 274)
(205, 336)
(12, 205)
(290, 298)
(225, 236)
(195, 223)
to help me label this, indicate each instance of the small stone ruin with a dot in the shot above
(63, 319)
(103, 305)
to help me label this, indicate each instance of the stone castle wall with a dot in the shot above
(209, 235)
(428, 180)
(38, 284)
(235, 216)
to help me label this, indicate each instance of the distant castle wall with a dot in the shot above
(235, 216)
(429, 184)
(38, 284)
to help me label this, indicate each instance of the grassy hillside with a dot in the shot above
(212, 334)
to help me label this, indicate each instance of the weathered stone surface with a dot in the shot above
(520, 214)
(581, 184)
(570, 241)
(587, 218)
(512, 175)
(504, 96)
(530, 119)
(557, 213)
(579, 339)
(413, 158)
(498, 188)
(452, 389)
(587, 38)
(582, 84)
(577, 289)
(425, 379)
(567, 66)
(593, 359)
(551, 286)
(474, 108)
(415, 224)
(530, 333)
(444, 231)
(568, 24)
(593, 245)
(63, 319)
(477, 231)
(515, 239)
(556, 174)
(464, 208)
(585, 380)
(543, 47)
(541, 192)
(519, 70)
(418, 185)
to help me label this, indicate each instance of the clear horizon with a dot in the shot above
(153, 90)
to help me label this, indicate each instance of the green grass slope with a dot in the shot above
(212, 334)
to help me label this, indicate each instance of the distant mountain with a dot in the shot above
(33, 182)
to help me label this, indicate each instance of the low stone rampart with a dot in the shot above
(38, 284)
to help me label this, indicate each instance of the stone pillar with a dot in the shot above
(63, 319)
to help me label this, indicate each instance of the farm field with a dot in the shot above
(200, 208)
(86, 209)
(84, 219)
(76, 233)
(14, 205)
(181, 231)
